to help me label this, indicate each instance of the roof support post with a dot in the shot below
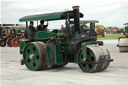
(26, 24)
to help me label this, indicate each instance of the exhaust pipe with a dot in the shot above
(76, 15)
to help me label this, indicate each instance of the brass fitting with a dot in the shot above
(31, 56)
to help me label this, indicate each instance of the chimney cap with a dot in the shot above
(76, 7)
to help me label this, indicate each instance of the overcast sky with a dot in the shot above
(107, 12)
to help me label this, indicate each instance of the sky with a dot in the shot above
(107, 12)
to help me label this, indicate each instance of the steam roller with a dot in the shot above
(70, 44)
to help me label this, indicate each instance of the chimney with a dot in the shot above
(76, 15)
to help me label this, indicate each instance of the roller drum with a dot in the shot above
(34, 56)
(123, 44)
(98, 59)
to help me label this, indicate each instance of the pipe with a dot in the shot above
(76, 15)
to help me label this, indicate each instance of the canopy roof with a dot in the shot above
(48, 16)
(88, 21)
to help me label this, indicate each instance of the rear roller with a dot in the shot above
(9, 42)
(98, 59)
(15, 42)
(34, 56)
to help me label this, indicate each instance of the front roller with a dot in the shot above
(98, 59)
(34, 56)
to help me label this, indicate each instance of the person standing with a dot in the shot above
(42, 27)
(30, 31)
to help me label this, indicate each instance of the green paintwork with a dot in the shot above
(45, 35)
(84, 27)
(32, 49)
(84, 47)
(90, 58)
(100, 42)
(22, 45)
(48, 16)
(84, 50)
(59, 56)
(50, 53)
(67, 49)
(55, 55)
(41, 18)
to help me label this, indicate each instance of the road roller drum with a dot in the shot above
(123, 44)
(98, 59)
(34, 56)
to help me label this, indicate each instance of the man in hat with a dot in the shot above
(42, 27)
(30, 31)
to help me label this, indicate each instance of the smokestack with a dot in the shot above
(76, 15)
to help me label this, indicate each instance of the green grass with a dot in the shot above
(110, 36)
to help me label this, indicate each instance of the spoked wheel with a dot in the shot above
(95, 54)
(9, 42)
(3, 43)
(34, 56)
(16, 42)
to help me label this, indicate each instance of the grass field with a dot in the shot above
(110, 36)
